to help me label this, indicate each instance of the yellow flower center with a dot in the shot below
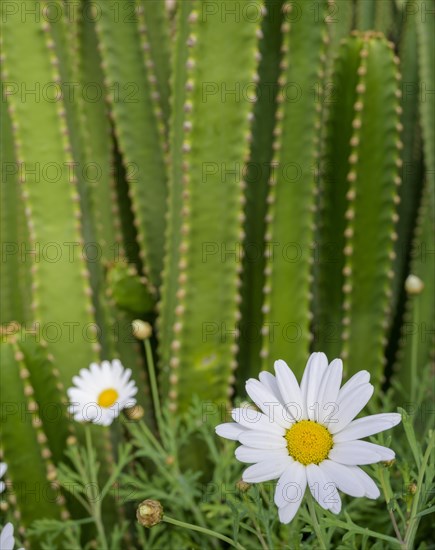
(308, 442)
(107, 398)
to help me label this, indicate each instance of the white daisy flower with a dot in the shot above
(306, 435)
(3, 468)
(101, 392)
(7, 540)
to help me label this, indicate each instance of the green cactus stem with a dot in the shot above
(204, 347)
(257, 180)
(290, 219)
(137, 124)
(374, 164)
(168, 301)
(24, 442)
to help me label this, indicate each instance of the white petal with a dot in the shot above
(336, 504)
(3, 468)
(230, 430)
(127, 403)
(117, 369)
(291, 486)
(269, 381)
(384, 452)
(76, 395)
(126, 376)
(288, 512)
(262, 440)
(89, 411)
(371, 490)
(310, 384)
(84, 382)
(267, 470)
(289, 389)
(250, 455)
(353, 453)
(129, 389)
(343, 478)
(256, 420)
(96, 371)
(106, 370)
(322, 488)
(268, 403)
(361, 377)
(2, 486)
(329, 389)
(7, 540)
(369, 425)
(350, 406)
(107, 416)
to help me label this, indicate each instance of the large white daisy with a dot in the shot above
(101, 392)
(3, 468)
(306, 435)
(7, 540)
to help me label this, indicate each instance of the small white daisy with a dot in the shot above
(306, 435)
(101, 392)
(7, 540)
(3, 468)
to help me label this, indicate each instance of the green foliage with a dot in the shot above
(218, 506)
(247, 177)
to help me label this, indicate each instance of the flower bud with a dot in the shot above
(242, 486)
(135, 413)
(413, 284)
(169, 460)
(412, 488)
(149, 513)
(141, 329)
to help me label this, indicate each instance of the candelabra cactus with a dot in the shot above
(235, 180)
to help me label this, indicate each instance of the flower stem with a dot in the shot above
(414, 348)
(388, 494)
(95, 506)
(203, 530)
(316, 525)
(414, 520)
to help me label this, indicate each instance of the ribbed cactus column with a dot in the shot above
(157, 22)
(417, 340)
(257, 186)
(412, 155)
(24, 442)
(426, 42)
(221, 65)
(131, 88)
(373, 175)
(62, 304)
(15, 266)
(336, 149)
(62, 307)
(290, 219)
(168, 303)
